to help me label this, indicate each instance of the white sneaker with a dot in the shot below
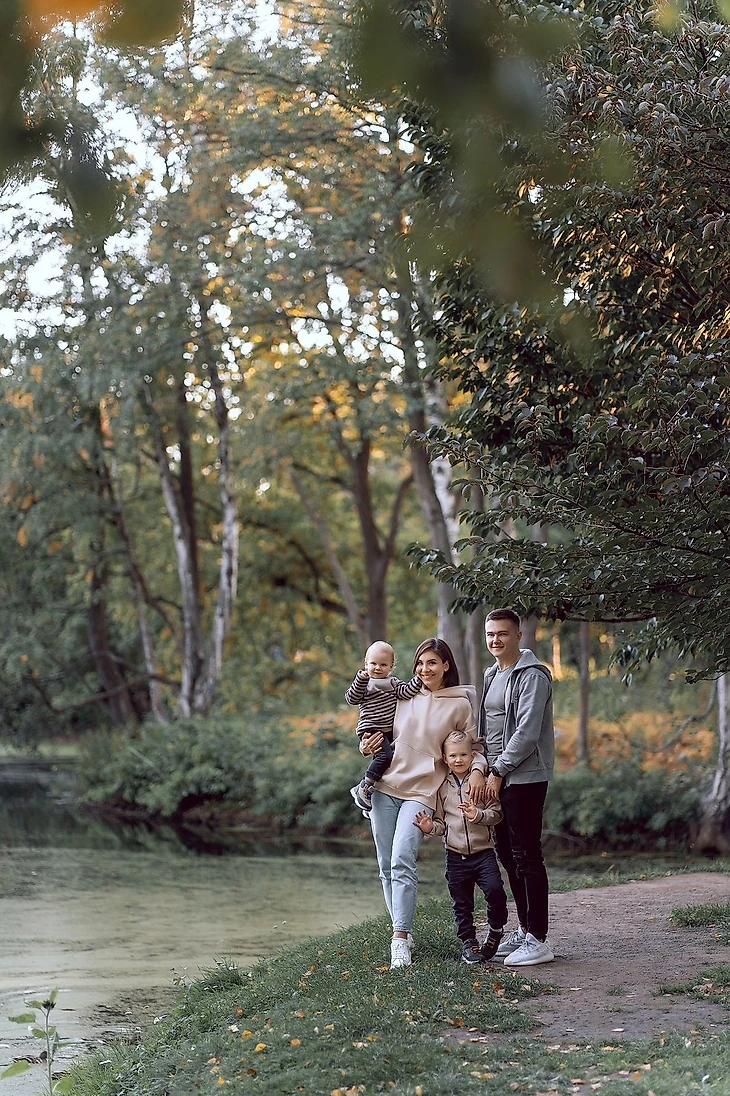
(400, 953)
(531, 952)
(509, 943)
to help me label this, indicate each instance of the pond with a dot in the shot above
(113, 915)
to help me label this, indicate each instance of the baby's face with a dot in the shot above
(378, 662)
(458, 756)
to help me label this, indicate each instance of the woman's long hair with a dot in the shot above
(442, 649)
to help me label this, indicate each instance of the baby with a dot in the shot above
(377, 692)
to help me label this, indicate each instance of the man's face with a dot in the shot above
(503, 640)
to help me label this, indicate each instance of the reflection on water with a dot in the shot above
(111, 916)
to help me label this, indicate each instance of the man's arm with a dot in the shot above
(533, 694)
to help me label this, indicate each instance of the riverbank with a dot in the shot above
(329, 1016)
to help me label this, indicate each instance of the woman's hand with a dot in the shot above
(424, 822)
(371, 743)
(477, 788)
(469, 810)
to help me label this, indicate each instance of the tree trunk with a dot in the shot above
(557, 654)
(473, 637)
(582, 751)
(713, 835)
(192, 656)
(141, 593)
(529, 633)
(228, 565)
(119, 703)
(343, 583)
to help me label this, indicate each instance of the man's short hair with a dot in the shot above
(505, 614)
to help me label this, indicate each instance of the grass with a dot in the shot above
(711, 915)
(328, 1018)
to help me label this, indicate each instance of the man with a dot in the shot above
(516, 724)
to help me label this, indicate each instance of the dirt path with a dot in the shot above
(614, 946)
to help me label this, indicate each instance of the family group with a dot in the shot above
(477, 779)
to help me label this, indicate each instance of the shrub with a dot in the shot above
(623, 806)
(293, 773)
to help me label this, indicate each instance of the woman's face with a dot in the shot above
(431, 669)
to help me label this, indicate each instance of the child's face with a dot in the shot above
(378, 662)
(458, 756)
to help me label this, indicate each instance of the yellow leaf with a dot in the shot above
(22, 536)
(295, 1042)
(246, 1034)
(260, 1046)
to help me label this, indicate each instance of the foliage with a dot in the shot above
(278, 771)
(605, 455)
(48, 1034)
(623, 807)
(37, 136)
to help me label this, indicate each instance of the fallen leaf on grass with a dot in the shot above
(295, 1042)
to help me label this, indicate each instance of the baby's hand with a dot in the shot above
(424, 822)
(469, 811)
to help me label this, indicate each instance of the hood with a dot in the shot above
(466, 692)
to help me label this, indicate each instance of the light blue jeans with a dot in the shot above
(397, 842)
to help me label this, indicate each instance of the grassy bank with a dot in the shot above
(330, 1018)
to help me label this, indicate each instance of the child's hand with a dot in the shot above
(424, 822)
(469, 810)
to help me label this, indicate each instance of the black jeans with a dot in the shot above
(380, 761)
(519, 847)
(463, 874)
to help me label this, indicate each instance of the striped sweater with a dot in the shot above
(378, 698)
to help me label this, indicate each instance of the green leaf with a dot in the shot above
(15, 1069)
(23, 1018)
(63, 1085)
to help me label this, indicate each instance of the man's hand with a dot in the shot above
(469, 810)
(424, 822)
(477, 787)
(371, 743)
(493, 787)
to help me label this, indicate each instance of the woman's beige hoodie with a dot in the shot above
(421, 725)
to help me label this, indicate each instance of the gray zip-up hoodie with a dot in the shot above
(528, 741)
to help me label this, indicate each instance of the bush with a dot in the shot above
(296, 773)
(623, 806)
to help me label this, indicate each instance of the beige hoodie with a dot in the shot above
(421, 725)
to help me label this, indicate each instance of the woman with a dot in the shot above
(415, 775)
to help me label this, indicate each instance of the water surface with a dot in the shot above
(113, 916)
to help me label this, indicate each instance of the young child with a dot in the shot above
(377, 692)
(470, 857)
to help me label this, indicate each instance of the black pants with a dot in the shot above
(463, 874)
(519, 846)
(380, 762)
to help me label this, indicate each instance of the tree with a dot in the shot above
(615, 442)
